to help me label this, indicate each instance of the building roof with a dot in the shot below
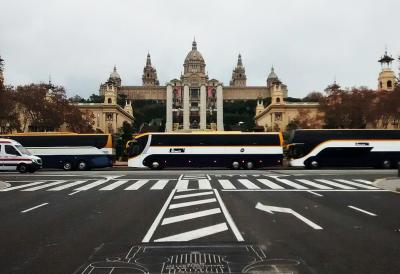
(115, 74)
(194, 55)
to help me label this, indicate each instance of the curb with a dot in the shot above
(4, 185)
(378, 181)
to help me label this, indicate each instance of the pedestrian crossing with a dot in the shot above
(204, 183)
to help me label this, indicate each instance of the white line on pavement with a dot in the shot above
(32, 208)
(362, 210)
(92, 185)
(328, 182)
(157, 220)
(190, 216)
(114, 185)
(21, 186)
(355, 184)
(248, 184)
(290, 183)
(314, 193)
(195, 234)
(270, 184)
(310, 183)
(182, 184)
(137, 185)
(228, 217)
(226, 184)
(160, 184)
(363, 181)
(43, 186)
(300, 190)
(192, 195)
(73, 193)
(67, 185)
(198, 202)
(204, 184)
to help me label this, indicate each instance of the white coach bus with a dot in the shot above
(344, 147)
(225, 149)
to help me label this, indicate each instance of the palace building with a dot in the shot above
(194, 101)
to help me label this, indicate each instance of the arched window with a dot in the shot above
(213, 93)
(109, 100)
(148, 75)
(389, 84)
(278, 100)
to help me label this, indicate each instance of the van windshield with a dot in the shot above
(22, 150)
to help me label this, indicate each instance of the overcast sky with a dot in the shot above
(309, 42)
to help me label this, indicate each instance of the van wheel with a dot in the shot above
(82, 165)
(235, 165)
(386, 164)
(249, 165)
(155, 165)
(22, 168)
(67, 166)
(313, 164)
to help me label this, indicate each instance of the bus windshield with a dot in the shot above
(23, 150)
(296, 151)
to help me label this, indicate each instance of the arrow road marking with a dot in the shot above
(272, 209)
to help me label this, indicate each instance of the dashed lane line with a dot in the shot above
(362, 210)
(195, 234)
(189, 216)
(33, 208)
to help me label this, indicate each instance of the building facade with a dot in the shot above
(194, 101)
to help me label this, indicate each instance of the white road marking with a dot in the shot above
(67, 185)
(185, 190)
(363, 181)
(92, 185)
(160, 184)
(157, 220)
(302, 190)
(328, 182)
(32, 208)
(198, 202)
(314, 193)
(192, 195)
(248, 184)
(228, 217)
(272, 209)
(190, 216)
(182, 184)
(226, 184)
(195, 234)
(73, 193)
(290, 183)
(204, 184)
(21, 186)
(43, 186)
(270, 184)
(362, 210)
(137, 185)
(114, 185)
(310, 183)
(355, 184)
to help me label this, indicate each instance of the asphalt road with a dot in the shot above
(204, 221)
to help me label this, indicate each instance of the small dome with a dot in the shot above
(272, 74)
(115, 74)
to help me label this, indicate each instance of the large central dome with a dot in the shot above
(194, 62)
(194, 55)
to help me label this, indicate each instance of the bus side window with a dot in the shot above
(10, 150)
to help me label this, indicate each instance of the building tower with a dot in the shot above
(128, 107)
(149, 77)
(114, 78)
(260, 106)
(238, 74)
(277, 93)
(1, 71)
(110, 95)
(387, 78)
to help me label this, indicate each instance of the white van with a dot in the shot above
(13, 156)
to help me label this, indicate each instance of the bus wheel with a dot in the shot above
(22, 168)
(235, 165)
(67, 166)
(155, 165)
(312, 164)
(249, 165)
(82, 166)
(386, 164)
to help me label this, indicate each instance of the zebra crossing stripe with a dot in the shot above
(290, 183)
(363, 181)
(310, 183)
(189, 216)
(328, 182)
(21, 186)
(160, 184)
(270, 184)
(114, 185)
(355, 184)
(137, 185)
(248, 184)
(182, 184)
(204, 184)
(192, 195)
(198, 202)
(226, 184)
(43, 186)
(91, 185)
(195, 234)
(58, 188)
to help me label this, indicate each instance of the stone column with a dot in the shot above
(186, 108)
(220, 108)
(169, 117)
(203, 107)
